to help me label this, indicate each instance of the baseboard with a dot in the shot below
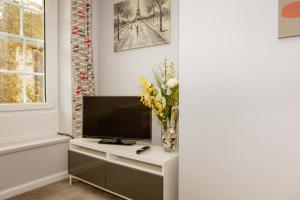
(32, 185)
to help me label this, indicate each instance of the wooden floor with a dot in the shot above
(63, 191)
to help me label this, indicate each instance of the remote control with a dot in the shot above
(139, 151)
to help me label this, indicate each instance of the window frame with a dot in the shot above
(50, 61)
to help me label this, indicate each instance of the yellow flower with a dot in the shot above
(144, 82)
(158, 105)
(151, 98)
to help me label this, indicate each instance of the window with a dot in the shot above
(22, 52)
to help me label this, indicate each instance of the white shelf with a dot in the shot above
(156, 155)
(89, 152)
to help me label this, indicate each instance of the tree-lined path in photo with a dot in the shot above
(139, 34)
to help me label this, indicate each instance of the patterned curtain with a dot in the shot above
(82, 59)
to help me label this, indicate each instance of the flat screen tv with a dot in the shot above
(116, 119)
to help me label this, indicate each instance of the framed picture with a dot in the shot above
(141, 23)
(288, 18)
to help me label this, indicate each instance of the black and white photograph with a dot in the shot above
(141, 23)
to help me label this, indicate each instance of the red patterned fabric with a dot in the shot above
(82, 59)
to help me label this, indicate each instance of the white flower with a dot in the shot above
(169, 91)
(173, 82)
(164, 102)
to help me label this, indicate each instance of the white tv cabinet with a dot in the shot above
(152, 175)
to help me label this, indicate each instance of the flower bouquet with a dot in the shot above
(163, 99)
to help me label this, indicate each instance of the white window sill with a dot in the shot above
(24, 107)
(29, 144)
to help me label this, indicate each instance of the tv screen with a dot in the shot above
(116, 117)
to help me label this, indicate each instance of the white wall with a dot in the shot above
(118, 73)
(22, 124)
(65, 67)
(240, 103)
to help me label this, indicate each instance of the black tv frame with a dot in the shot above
(114, 140)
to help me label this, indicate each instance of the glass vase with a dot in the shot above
(169, 139)
(169, 131)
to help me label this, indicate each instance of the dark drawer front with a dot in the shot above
(133, 184)
(87, 168)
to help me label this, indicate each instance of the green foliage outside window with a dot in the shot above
(22, 52)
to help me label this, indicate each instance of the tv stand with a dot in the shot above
(117, 141)
(152, 175)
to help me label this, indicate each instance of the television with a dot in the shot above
(116, 120)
